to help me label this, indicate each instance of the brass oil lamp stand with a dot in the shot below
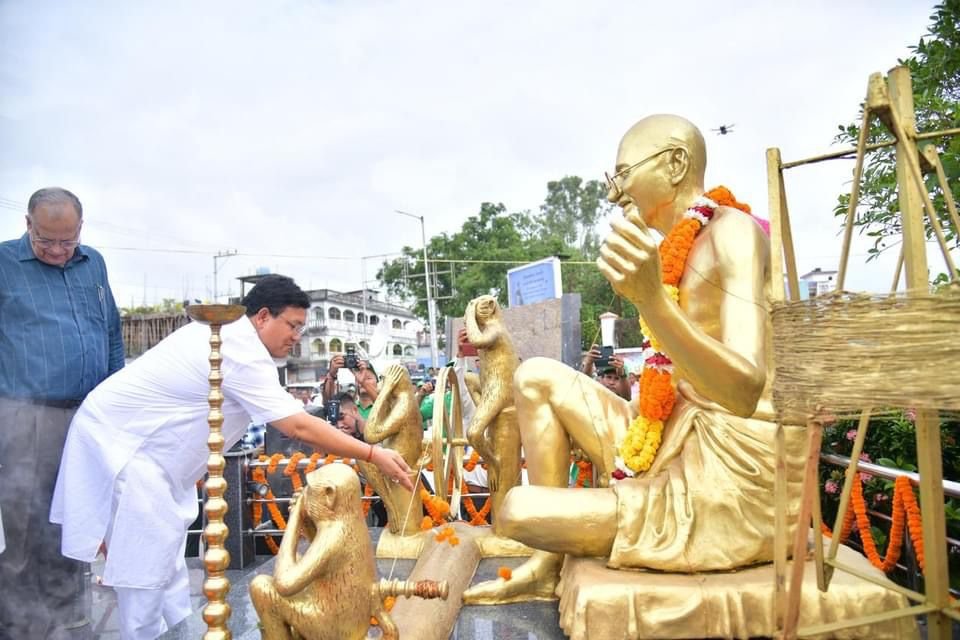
(216, 558)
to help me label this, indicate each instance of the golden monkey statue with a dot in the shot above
(395, 423)
(328, 593)
(493, 430)
(701, 496)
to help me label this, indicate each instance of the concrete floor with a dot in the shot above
(528, 621)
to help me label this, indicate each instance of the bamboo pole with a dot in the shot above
(929, 456)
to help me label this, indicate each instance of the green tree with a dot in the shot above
(935, 69)
(474, 260)
(570, 213)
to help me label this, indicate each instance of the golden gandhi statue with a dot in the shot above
(707, 500)
(395, 423)
(493, 430)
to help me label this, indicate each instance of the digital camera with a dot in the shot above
(350, 360)
(331, 411)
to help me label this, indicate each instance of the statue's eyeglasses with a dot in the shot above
(614, 181)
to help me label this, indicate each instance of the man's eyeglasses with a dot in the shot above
(614, 181)
(46, 243)
(298, 329)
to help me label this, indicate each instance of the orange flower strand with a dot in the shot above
(259, 475)
(291, 470)
(723, 197)
(368, 492)
(314, 459)
(274, 461)
(471, 464)
(905, 515)
(658, 397)
(505, 572)
(676, 247)
(426, 524)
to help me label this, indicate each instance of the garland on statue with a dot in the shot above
(657, 391)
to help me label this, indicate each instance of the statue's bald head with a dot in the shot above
(661, 132)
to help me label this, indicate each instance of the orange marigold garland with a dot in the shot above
(291, 470)
(477, 518)
(905, 515)
(657, 393)
(505, 572)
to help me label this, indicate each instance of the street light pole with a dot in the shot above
(431, 309)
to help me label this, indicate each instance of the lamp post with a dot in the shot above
(431, 309)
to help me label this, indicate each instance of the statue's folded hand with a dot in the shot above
(629, 259)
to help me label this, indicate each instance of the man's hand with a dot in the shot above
(589, 359)
(630, 260)
(616, 361)
(336, 363)
(392, 465)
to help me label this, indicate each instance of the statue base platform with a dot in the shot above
(597, 602)
(490, 544)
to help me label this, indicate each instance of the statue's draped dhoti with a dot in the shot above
(707, 503)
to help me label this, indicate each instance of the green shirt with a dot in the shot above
(364, 411)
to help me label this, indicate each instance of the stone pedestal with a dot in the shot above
(599, 603)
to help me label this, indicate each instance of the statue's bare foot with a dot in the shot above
(536, 579)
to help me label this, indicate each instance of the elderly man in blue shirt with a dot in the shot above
(59, 337)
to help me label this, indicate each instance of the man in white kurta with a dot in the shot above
(137, 447)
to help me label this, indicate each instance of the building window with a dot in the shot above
(364, 345)
(361, 318)
(408, 351)
(397, 324)
(406, 325)
(318, 347)
(333, 313)
(397, 349)
(318, 314)
(336, 346)
(349, 316)
(374, 320)
(296, 351)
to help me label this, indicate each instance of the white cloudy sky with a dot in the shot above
(296, 128)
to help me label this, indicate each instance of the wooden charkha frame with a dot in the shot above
(890, 99)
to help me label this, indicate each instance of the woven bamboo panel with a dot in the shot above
(844, 352)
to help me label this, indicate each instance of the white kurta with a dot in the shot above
(156, 409)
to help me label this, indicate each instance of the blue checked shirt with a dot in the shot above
(59, 327)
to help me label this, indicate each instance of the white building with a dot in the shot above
(816, 283)
(387, 333)
(357, 320)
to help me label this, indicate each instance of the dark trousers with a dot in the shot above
(42, 594)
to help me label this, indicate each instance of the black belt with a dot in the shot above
(44, 402)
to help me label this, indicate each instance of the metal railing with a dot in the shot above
(951, 489)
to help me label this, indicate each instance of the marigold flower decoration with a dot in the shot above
(657, 392)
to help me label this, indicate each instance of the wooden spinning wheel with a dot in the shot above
(448, 440)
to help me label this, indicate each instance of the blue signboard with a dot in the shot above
(534, 282)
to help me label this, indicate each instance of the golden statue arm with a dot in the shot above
(381, 428)
(292, 576)
(729, 371)
(482, 339)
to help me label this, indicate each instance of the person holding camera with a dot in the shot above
(345, 416)
(363, 373)
(609, 371)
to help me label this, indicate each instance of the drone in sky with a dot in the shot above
(724, 129)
